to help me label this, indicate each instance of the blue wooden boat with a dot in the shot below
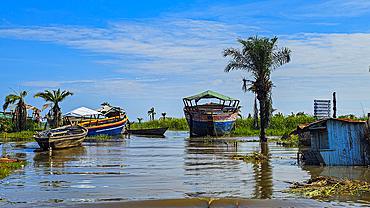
(214, 119)
(113, 123)
(108, 126)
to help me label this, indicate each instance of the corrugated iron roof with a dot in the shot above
(325, 119)
(302, 126)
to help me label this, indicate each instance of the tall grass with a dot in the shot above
(279, 125)
(173, 124)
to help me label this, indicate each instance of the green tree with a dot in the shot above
(164, 116)
(55, 97)
(259, 57)
(151, 113)
(20, 110)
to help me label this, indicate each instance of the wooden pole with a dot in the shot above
(298, 157)
(334, 106)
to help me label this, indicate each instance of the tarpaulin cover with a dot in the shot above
(82, 111)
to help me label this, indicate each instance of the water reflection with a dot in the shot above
(263, 175)
(143, 168)
(128, 136)
(58, 158)
(209, 148)
(207, 169)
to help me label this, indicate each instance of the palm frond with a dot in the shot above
(9, 100)
(61, 96)
(14, 91)
(46, 106)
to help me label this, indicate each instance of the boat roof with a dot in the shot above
(209, 94)
(82, 111)
(108, 109)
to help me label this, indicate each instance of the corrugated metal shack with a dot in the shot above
(336, 141)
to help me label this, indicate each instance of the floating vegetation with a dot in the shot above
(255, 157)
(6, 167)
(100, 136)
(292, 141)
(321, 187)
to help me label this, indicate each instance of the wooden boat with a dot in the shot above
(113, 124)
(153, 131)
(62, 137)
(215, 119)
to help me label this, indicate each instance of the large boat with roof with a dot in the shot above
(107, 120)
(212, 118)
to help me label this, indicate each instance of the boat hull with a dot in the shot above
(61, 141)
(113, 127)
(216, 124)
(60, 144)
(154, 131)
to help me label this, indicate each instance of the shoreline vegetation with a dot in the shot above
(6, 167)
(279, 125)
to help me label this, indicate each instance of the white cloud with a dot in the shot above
(52, 84)
(181, 57)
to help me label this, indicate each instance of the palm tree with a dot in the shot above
(259, 56)
(255, 114)
(55, 97)
(151, 113)
(140, 119)
(20, 110)
(164, 116)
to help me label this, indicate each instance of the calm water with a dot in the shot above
(144, 168)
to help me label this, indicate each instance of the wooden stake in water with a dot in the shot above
(50, 149)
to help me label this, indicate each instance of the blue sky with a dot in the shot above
(145, 54)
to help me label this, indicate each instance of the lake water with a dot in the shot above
(153, 168)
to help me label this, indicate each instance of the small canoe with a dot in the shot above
(154, 131)
(60, 138)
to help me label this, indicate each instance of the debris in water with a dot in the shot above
(255, 157)
(322, 186)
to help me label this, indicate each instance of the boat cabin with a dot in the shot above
(212, 118)
(225, 104)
